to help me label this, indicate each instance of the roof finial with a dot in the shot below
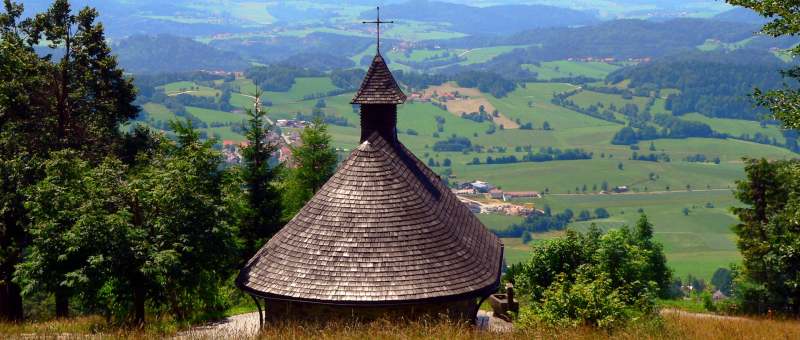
(378, 25)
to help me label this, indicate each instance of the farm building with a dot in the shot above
(496, 194)
(384, 236)
(465, 192)
(479, 186)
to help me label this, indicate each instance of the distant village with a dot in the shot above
(283, 136)
(484, 198)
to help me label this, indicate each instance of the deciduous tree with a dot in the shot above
(315, 161)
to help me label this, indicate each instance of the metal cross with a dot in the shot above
(378, 25)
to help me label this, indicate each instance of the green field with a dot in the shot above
(158, 112)
(498, 222)
(565, 176)
(515, 105)
(187, 87)
(214, 116)
(564, 69)
(418, 31)
(484, 54)
(696, 244)
(737, 127)
(587, 98)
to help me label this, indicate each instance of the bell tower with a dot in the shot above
(379, 96)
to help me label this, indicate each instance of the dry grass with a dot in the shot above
(691, 326)
(670, 326)
(79, 325)
(472, 104)
(673, 326)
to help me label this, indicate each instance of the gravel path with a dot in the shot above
(679, 312)
(245, 326)
(242, 326)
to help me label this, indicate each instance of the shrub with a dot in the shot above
(587, 301)
(593, 279)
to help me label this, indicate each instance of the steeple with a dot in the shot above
(383, 237)
(379, 86)
(378, 96)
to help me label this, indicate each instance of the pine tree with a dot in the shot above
(93, 97)
(768, 231)
(262, 217)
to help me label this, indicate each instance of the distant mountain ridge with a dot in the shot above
(502, 19)
(742, 15)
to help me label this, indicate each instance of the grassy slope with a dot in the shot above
(215, 116)
(737, 127)
(189, 88)
(587, 98)
(158, 112)
(697, 243)
(563, 69)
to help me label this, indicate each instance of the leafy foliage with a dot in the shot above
(78, 102)
(723, 280)
(156, 235)
(315, 161)
(594, 279)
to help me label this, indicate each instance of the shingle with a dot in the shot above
(379, 86)
(383, 229)
(402, 241)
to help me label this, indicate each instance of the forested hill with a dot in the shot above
(715, 84)
(630, 35)
(619, 40)
(278, 48)
(165, 53)
(503, 19)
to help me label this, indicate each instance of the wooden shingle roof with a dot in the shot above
(382, 230)
(379, 86)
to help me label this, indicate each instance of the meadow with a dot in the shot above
(566, 69)
(696, 243)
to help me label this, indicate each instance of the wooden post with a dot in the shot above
(261, 317)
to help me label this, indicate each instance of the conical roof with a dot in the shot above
(379, 86)
(382, 230)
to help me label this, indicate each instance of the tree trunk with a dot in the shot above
(62, 304)
(139, 297)
(10, 301)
